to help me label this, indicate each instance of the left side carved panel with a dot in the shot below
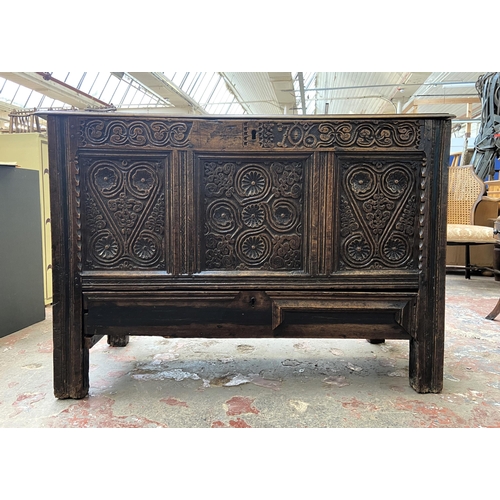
(123, 224)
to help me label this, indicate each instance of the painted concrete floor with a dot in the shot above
(264, 383)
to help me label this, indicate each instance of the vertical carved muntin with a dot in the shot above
(379, 212)
(252, 212)
(124, 206)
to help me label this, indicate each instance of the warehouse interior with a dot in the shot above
(262, 383)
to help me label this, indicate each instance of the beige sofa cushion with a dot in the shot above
(470, 234)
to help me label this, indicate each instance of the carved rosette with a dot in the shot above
(124, 207)
(335, 134)
(378, 215)
(252, 215)
(130, 132)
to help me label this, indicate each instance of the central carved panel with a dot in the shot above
(253, 214)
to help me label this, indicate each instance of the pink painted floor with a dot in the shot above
(264, 383)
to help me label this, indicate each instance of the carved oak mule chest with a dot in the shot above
(289, 226)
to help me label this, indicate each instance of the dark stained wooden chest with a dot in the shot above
(289, 226)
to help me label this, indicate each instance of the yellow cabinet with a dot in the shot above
(30, 151)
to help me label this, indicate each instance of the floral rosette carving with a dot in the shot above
(284, 215)
(253, 216)
(252, 182)
(106, 247)
(253, 249)
(107, 179)
(396, 249)
(142, 180)
(222, 216)
(362, 182)
(146, 247)
(357, 250)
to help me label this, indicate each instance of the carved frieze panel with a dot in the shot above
(298, 134)
(252, 213)
(124, 213)
(378, 214)
(129, 132)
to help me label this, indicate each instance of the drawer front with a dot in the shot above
(251, 314)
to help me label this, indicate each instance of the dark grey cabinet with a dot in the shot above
(21, 266)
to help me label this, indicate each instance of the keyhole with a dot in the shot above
(254, 135)
(252, 301)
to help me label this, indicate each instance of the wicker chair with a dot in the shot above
(465, 191)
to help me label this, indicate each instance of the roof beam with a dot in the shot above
(53, 88)
(159, 84)
(438, 100)
(282, 81)
(302, 94)
(445, 100)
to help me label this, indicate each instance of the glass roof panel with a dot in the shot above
(200, 84)
(99, 84)
(178, 78)
(193, 84)
(9, 91)
(120, 93)
(130, 97)
(34, 100)
(109, 89)
(187, 82)
(206, 87)
(75, 78)
(88, 81)
(21, 96)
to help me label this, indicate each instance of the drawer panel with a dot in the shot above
(250, 314)
(201, 314)
(344, 315)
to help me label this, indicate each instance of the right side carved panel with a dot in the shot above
(379, 210)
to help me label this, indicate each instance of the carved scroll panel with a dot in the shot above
(252, 214)
(338, 134)
(138, 133)
(378, 214)
(124, 213)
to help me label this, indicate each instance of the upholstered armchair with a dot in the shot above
(465, 191)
